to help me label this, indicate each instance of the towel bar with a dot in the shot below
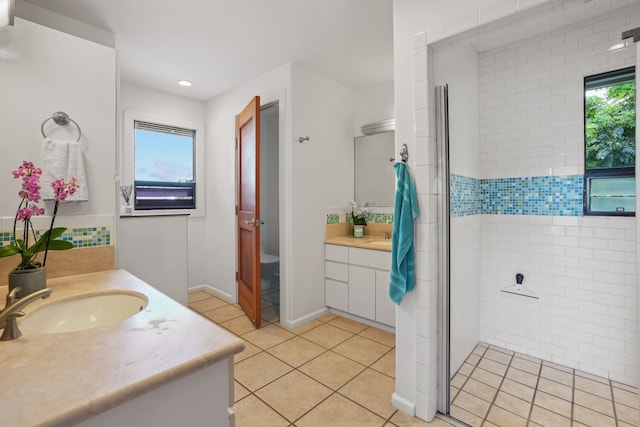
(62, 119)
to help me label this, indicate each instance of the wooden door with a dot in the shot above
(248, 208)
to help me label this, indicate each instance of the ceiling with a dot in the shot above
(219, 44)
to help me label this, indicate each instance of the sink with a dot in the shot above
(84, 312)
(383, 243)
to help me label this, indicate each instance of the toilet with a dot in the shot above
(269, 270)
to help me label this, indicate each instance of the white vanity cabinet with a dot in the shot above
(357, 282)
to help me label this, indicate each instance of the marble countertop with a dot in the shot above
(367, 241)
(64, 378)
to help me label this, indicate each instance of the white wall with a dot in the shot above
(583, 268)
(372, 104)
(269, 186)
(44, 71)
(172, 278)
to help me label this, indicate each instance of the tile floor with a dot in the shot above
(331, 371)
(496, 387)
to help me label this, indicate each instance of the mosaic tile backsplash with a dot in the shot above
(375, 218)
(84, 237)
(538, 195)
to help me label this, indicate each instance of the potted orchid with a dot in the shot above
(359, 218)
(30, 274)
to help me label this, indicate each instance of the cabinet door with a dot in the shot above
(362, 291)
(385, 308)
(336, 294)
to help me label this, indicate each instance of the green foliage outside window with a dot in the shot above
(610, 126)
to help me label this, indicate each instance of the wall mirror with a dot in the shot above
(374, 172)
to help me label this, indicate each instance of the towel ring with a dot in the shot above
(62, 119)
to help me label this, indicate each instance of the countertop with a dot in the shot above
(365, 242)
(64, 378)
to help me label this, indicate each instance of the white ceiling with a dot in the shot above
(218, 44)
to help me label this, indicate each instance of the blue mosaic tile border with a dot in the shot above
(538, 195)
(374, 218)
(84, 237)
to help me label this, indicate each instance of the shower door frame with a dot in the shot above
(444, 266)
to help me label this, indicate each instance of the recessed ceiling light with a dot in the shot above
(185, 83)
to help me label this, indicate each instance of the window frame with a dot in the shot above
(620, 172)
(127, 161)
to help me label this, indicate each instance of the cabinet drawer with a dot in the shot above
(362, 292)
(336, 294)
(336, 271)
(385, 308)
(337, 253)
(370, 258)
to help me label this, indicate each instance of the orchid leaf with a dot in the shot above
(60, 245)
(41, 244)
(9, 250)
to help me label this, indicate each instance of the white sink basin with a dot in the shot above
(383, 243)
(84, 312)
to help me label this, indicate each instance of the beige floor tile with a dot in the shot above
(481, 390)
(592, 418)
(372, 390)
(223, 314)
(239, 326)
(264, 303)
(526, 365)
(593, 402)
(296, 351)
(557, 375)
(327, 317)
(622, 424)
(513, 404)
(471, 404)
(386, 364)
(268, 336)
(465, 416)
(501, 417)
(453, 392)
(553, 403)
(547, 418)
(196, 296)
(208, 304)
(338, 411)
(327, 335)
(516, 389)
(259, 370)
(304, 327)
(362, 350)
(489, 423)
(555, 389)
(498, 356)
(627, 414)
(403, 420)
(293, 395)
(592, 377)
(466, 369)
(270, 314)
(251, 412)
(331, 369)
(249, 350)
(626, 387)
(348, 324)
(501, 349)
(473, 359)
(478, 350)
(239, 391)
(593, 387)
(535, 360)
(458, 380)
(625, 397)
(378, 335)
(492, 366)
(522, 377)
(558, 367)
(487, 377)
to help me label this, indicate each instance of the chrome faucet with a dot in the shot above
(12, 309)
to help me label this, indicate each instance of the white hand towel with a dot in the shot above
(62, 160)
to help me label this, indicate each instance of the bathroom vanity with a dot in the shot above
(357, 278)
(163, 366)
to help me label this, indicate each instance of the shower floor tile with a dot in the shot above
(497, 387)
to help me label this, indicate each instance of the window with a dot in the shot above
(163, 158)
(610, 144)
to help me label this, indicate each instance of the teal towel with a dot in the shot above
(402, 256)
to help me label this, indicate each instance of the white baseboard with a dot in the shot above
(216, 291)
(403, 404)
(304, 319)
